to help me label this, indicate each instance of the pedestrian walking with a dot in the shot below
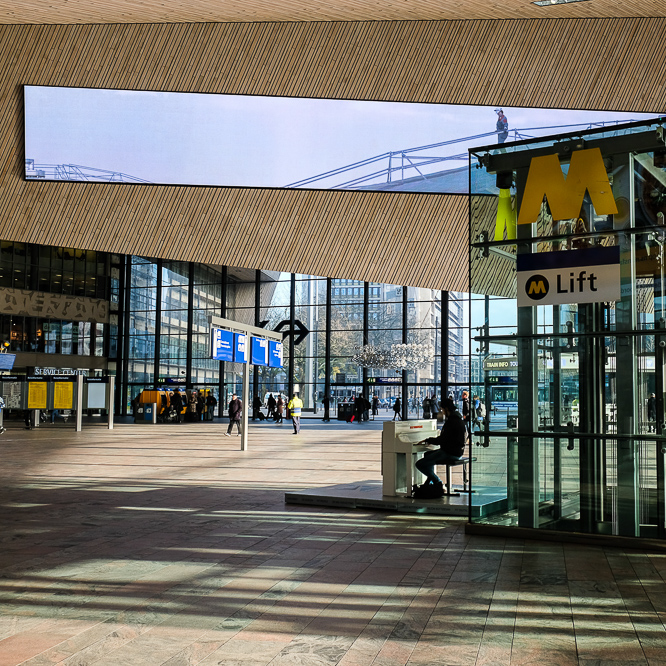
(271, 403)
(396, 410)
(235, 415)
(295, 405)
(279, 410)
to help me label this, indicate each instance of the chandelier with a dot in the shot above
(399, 356)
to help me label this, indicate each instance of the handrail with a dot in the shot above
(402, 153)
(566, 434)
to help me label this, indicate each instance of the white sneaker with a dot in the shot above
(226, 434)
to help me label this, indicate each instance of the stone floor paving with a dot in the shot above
(150, 545)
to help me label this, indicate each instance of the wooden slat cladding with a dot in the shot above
(397, 238)
(595, 64)
(360, 235)
(175, 11)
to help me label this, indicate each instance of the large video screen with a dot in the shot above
(146, 137)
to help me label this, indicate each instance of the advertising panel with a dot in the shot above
(96, 396)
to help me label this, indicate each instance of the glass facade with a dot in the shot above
(168, 304)
(155, 330)
(62, 272)
(570, 365)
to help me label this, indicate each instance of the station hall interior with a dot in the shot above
(132, 538)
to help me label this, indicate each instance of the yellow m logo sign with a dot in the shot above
(537, 288)
(565, 197)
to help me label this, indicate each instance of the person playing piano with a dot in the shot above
(451, 443)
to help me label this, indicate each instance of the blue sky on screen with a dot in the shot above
(237, 140)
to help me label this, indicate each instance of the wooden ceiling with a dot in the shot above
(177, 11)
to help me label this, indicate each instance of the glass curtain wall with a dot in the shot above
(66, 271)
(385, 328)
(424, 315)
(275, 309)
(573, 381)
(310, 354)
(174, 298)
(169, 304)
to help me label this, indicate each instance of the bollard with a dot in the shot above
(79, 403)
(110, 401)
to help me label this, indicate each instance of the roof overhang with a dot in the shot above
(203, 11)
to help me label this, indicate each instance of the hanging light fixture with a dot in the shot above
(398, 356)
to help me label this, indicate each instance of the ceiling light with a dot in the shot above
(548, 3)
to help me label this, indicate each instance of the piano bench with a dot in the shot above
(464, 461)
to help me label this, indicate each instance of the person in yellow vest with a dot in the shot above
(295, 405)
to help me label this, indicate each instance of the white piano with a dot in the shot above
(401, 448)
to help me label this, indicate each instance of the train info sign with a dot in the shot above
(503, 363)
(591, 275)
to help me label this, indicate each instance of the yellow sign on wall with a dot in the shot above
(37, 395)
(565, 196)
(63, 395)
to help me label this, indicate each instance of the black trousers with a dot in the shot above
(231, 425)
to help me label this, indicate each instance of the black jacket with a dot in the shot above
(451, 439)
(235, 410)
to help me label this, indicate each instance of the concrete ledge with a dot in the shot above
(368, 495)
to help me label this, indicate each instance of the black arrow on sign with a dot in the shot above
(300, 330)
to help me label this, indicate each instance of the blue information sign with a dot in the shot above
(223, 345)
(7, 361)
(259, 351)
(385, 380)
(275, 354)
(240, 348)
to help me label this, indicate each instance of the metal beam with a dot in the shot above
(239, 327)
(652, 139)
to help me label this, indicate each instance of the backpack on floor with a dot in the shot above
(428, 491)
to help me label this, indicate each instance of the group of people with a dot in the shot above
(275, 411)
(179, 406)
(197, 406)
(360, 410)
(473, 414)
(429, 404)
(275, 408)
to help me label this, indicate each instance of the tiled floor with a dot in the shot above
(167, 545)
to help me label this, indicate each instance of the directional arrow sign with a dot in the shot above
(300, 330)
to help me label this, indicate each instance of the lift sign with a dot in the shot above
(573, 276)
